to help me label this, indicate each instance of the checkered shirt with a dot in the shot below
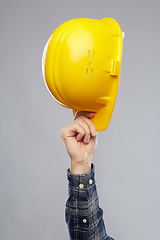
(83, 215)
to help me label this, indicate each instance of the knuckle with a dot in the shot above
(62, 133)
(79, 121)
(79, 118)
(94, 127)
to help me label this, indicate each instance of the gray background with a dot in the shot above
(33, 160)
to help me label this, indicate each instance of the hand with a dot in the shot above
(80, 141)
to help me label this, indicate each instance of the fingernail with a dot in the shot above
(89, 139)
(95, 133)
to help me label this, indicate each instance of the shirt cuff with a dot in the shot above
(81, 185)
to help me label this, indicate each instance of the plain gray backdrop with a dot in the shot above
(33, 159)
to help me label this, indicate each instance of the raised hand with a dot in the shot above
(80, 138)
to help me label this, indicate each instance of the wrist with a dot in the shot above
(81, 167)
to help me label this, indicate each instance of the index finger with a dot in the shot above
(90, 124)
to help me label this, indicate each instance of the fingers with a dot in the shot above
(84, 133)
(82, 128)
(83, 113)
(86, 116)
(88, 126)
(78, 129)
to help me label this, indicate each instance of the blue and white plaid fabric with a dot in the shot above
(83, 215)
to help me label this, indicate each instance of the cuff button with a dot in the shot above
(84, 220)
(90, 181)
(81, 185)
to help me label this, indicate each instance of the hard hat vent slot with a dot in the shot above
(90, 74)
(89, 54)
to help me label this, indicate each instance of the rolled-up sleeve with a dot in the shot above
(83, 215)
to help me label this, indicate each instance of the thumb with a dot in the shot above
(84, 113)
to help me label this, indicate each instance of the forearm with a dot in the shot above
(83, 214)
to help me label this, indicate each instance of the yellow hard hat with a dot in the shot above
(81, 66)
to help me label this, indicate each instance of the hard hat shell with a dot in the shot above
(81, 66)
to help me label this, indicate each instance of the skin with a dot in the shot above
(80, 138)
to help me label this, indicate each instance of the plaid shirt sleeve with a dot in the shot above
(83, 215)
